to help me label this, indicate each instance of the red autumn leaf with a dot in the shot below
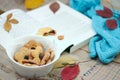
(70, 72)
(111, 24)
(54, 7)
(106, 13)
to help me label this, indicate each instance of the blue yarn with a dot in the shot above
(84, 6)
(106, 44)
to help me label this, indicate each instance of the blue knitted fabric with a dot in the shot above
(106, 44)
(84, 6)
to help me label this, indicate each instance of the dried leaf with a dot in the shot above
(106, 13)
(7, 26)
(111, 24)
(70, 72)
(54, 7)
(9, 16)
(63, 61)
(14, 21)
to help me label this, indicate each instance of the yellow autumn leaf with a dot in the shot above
(63, 61)
(32, 4)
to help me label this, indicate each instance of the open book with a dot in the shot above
(75, 27)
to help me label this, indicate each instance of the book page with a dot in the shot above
(75, 26)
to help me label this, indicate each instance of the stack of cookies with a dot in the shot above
(34, 54)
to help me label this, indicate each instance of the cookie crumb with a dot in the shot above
(60, 37)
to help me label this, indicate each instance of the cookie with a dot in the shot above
(32, 44)
(48, 57)
(46, 31)
(32, 62)
(35, 54)
(51, 52)
(22, 54)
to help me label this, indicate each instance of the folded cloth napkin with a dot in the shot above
(106, 44)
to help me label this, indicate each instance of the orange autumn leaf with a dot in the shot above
(9, 16)
(7, 26)
(14, 21)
